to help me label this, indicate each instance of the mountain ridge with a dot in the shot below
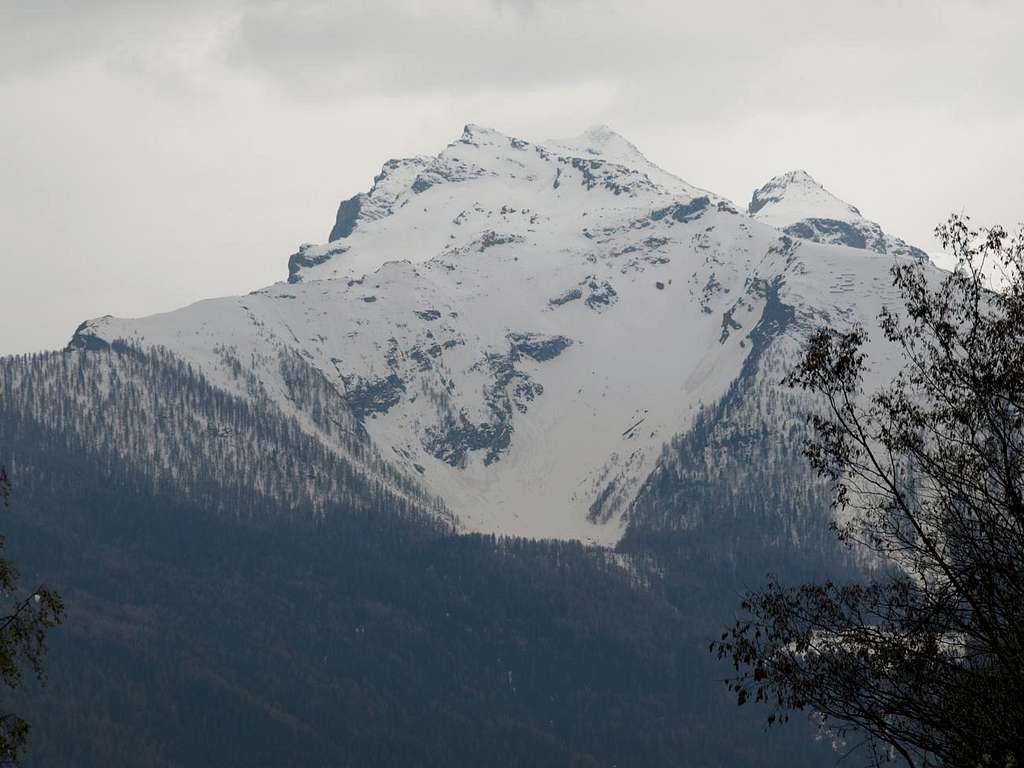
(522, 327)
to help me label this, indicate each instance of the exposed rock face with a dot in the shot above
(369, 396)
(683, 212)
(537, 345)
(508, 390)
(866, 235)
(348, 215)
(84, 338)
(599, 294)
(388, 186)
(308, 256)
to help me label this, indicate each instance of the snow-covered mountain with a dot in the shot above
(799, 206)
(521, 327)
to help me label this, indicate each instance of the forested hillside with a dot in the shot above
(736, 490)
(210, 626)
(147, 414)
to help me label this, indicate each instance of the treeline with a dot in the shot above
(146, 414)
(733, 498)
(201, 639)
(214, 623)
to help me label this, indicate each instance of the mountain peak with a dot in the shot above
(602, 141)
(603, 135)
(475, 134)
(797, 176)
(794, 196)
(801, 207)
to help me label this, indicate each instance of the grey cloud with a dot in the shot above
(154, 153)
(41, 36)
(724, 57)
(795, 54)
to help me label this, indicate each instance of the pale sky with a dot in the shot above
(153, 154)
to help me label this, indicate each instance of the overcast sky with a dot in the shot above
(154, 153)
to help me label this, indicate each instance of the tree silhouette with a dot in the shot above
(22, 640)
(925, 662)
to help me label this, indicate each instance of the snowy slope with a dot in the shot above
(523, 326)
(799, 206)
